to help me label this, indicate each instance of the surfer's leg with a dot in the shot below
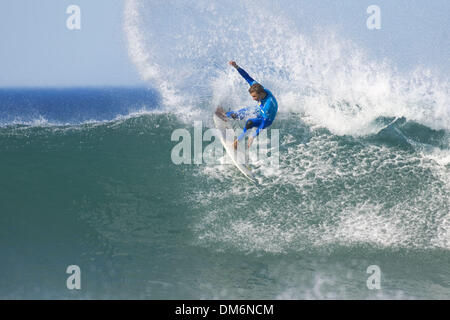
(254, 122)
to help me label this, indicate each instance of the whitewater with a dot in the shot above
(363, 177)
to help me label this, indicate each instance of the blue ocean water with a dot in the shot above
(72, 105)
(87, 177)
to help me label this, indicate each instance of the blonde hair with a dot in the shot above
(256, 87)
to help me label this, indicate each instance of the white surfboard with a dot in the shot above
(222, 124)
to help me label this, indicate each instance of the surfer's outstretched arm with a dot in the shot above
(241, 113)
(246, 76)
(243, 73)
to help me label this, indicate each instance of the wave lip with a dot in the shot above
(330, 81)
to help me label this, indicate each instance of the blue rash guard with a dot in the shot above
(266, 110)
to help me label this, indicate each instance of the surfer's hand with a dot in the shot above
(232, 63)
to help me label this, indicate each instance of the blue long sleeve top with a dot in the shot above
(266, 108)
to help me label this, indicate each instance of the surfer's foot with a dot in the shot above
(235, 144)
(250, 140)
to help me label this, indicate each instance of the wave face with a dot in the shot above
(107, 197)
(86, 176)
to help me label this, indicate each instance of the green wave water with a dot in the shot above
(107, 197)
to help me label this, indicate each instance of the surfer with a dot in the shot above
(265, 111)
